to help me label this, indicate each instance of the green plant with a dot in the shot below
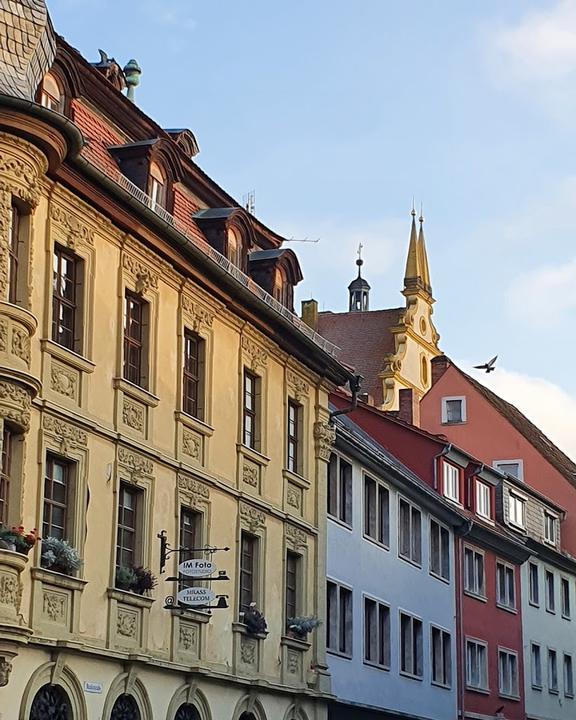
(301, 626)
(125, 578)
(22, 541)
(145, 580)
(60, 556)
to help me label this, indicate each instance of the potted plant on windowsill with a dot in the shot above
(299, 627)
(138, 580)
(59, 556)
(17, 540)
(254, 621)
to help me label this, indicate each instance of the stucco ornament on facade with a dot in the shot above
(191, 444)
(5, 670)
(72, 230)
(15, 404)
(126, 624)
(188, 637)
(325, 436)
(251, 518)
(133, 415)
(248, 649)
(293, 497)
(250, 474)
(196, 492)
(69, 435)
(21, 344)
(296, 538)
(297, 385)
(54, 607)
(257, 354)
(63, 381)
(145, 278)
(136, 465)
(198, 314)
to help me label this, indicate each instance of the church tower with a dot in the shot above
(359, 289)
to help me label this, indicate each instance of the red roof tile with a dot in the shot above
(364, 338)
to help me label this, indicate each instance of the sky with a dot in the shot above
(337, 114)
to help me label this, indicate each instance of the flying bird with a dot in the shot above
(489, 366)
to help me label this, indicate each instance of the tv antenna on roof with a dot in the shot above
(293, 239)
(249, 202)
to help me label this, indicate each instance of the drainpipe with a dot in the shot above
(355, 384)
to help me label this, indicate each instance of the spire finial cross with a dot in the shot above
(360, 246)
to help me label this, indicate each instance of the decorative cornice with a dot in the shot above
(68, 435)
(199, 315)
(296, 539)
(73, 230)
(137, 465)
(299, 387)
(251, 518)
(196, 492)
(258, 355)
(145, 278)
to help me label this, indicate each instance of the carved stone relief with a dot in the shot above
(199, 315)
(299, 387)
(133, 414)
(188, 637)
(68, 435)
(127, 623)
(136, 464)
(54, 607)
(294, 497)
(295, 537)
(251, 474)
(72, 230)
(144, 276)
(21, 344)
(64, 381)
(191, 444)
(15, 404)
(251, 518)
(9, 590)
(294, 660)
(325, 436)
(5, 670)
(257, 354)
(3, 335)
(248, 650)
(196, 492)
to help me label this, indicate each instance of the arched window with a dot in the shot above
(187, 712)
(51, 95)
(157, 185)
(51, 702)
(234, 248)
(125, 708)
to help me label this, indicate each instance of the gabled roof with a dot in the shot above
(527, 429)
(364, 338)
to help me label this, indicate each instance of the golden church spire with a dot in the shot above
(417, 274)
(412, 259)
(423, 255)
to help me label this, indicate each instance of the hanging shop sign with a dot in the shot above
(197, 568)
(196, 596)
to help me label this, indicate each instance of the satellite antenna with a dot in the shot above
(249, 202)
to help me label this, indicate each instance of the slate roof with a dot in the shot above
(364, 338)
(525, 427)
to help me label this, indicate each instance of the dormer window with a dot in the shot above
(483, 500)
(156, 186)
(451, 482)
(234, 248)
(51, 95)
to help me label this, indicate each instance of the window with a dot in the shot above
(552, 671)
(476, 665)
(193, 375)
(15, 251)
(549, 528)
(340, 489)
(127, 551)
(507, 673)
(190, 533)
(376, 633)
(248, 578)
(451, 481)
(410, 645)
(534, 584)
(568, 676)
(483, 500)
(135, 337)
(536, 666)
(51, 94)
(66, 271)
(156, 186)
(514, 468)
(5, 474)
(376, 511)
(505, 590)
(292, 584)
(294, 431)
(439, 550)
(251, 411)
(474, 572)
(339, 619)
(565, 597)
(441, 652)
(57, 493)
(516, 510)
(550, 594)
(453, 410)
(234, 249)
(409, 532)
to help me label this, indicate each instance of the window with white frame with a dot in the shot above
(411, 650)
(565, 598)
(550, 528)
(550, 592)
(483, 500)
(451, 481)
(534, 584)
(409, 532)
(536, 666)
(505, 590)
(516, 510)
(514, 468)
(476, 665)
(441, 656)
(339, 618)
(552, 671)
(376, 511)
(453, 410)
(439, 550)
(507, 673)
(568, 676)
(376, 633)
(474, 572)
(340, 489)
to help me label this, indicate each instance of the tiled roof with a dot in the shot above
(364, 338)
(535, 436)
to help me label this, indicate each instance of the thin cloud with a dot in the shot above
(544, 294)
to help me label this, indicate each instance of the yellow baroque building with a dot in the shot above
(153, 377)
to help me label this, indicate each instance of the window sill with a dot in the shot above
(475, 596)
(454, 422)
(570, 696)
(507, 608)
(135, 392)
(194, 423)
(376, 666)
(566, 617)
(79, 362)
(191, 614)
(551, 612)
(410, 676)
(295, 643)
(553, 692)
(241, 629)
(517, 526)
(485, 519)
(253, 455)
(336, 653)
(538, 688)
(481, 691)
(410, 561)
(378, 544)
(513, 698)
(129, 598)
(454, 501)
(341, 523)
(534, 604)
(444, 580)
(59, 579)
(295, 478)
(441, 685)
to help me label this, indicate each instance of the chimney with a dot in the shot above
(310, 313)
(409, 407)
(439, 366)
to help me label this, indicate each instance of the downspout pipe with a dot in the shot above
(355, 383)
(444, 452)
